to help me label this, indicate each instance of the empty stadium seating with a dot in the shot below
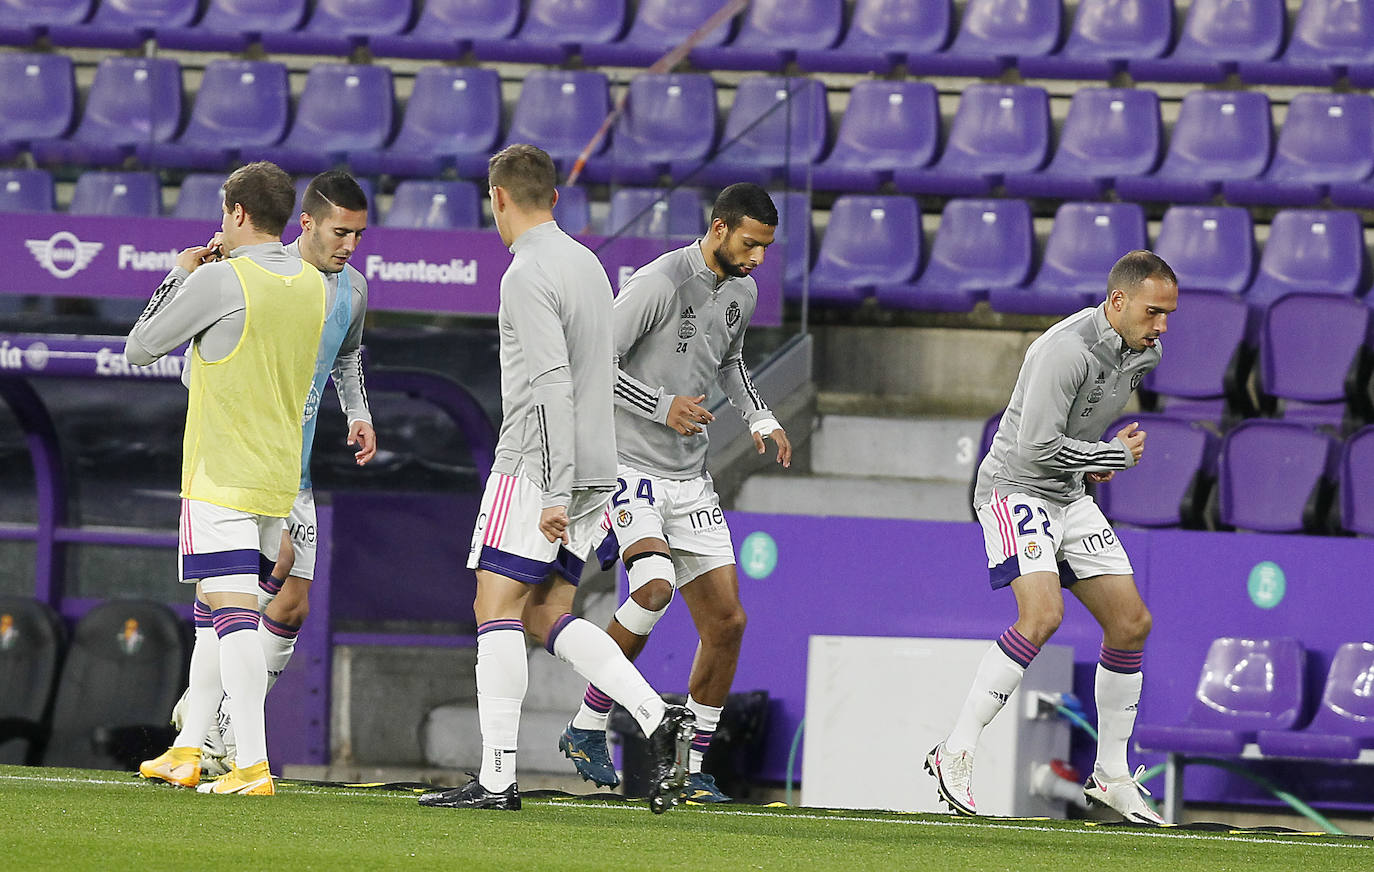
(1290, 497)
(240, 105)
(435, 205)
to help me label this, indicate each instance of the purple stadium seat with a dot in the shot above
(792, 241)
(1182, 459)
(669, 121)
(1201, 377)
(774, 123)
(887, 126)
(453, 118)
(1109, 132)
(26, 191)
(200, 197)
(993, 32)
(1246, 685)
(232, 25)
(870, 241)
(1327, 37)
(647, 212)
(1105, 35)
(998, 130)
(1310, 250)
(1273, 477)
(553, 30)
(1219, 135)
(339, 26)
(344, 108)
(24, 13)
(882, 33)
(37, 96)
(1314, 348)
(1325, 138)
(135, 195)
(572, 211)
(559, 111)
(980, 244)
(772, 33)
(1218, 34)
(240, 105)
(446, 29)
(1357, 482)
(1210, 248)
(1344, 723)
(435, 206)
(131, 101)
(659, 25)
(125, 23)
(1086, 241)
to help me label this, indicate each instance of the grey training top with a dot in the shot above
(557, 367)
(347, 371)
(677, 329)
(1075, 381)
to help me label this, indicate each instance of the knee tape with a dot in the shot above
(647, 567)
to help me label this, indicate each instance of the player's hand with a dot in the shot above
(686, 415)
(361, 434)
(1099, 477)
(1134, 437)
(553, 523)
(191, 258)
(779, 437)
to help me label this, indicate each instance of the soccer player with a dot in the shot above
(254, 322)
(555, 468)
(679, 326)
(1043, 532)
(333, 219)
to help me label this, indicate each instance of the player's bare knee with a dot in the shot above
(726, 630)
(1137, 629)
(1040, 623)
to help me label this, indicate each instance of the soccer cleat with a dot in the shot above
(1123, 795)
(669, 746)
(256, 780)
(474, 795)
(179, 710)
(177, 766)
(953, 774)
(220, 748)
(702, 788)
(587, 750)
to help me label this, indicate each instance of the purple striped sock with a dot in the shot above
(702, 740)
(1117, 660)
(558, 627)
(232, 619)
(277, 628)
(501, 624)
(270, 584)
(200, 614)
(596, 700)
(1015, 646)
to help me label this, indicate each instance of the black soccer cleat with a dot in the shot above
(668, 749)
(474, 795)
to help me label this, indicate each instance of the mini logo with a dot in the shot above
(688, 313)
(1096, 395)
(1032, 550)
(732, 314)
(312, 405)
(623, 518)
(8, 634)
(1102, 378)
(1135, 380)
(36, 355)
(686, 330)
(999, 696)
(130, 638)
(62, 254)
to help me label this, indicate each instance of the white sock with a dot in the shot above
(708, 718)
(1118, 696)
(278, 644)
(595, 710)
(502, 678)
(205, 690)
(585, 647)
(997, 678)
(244, 673)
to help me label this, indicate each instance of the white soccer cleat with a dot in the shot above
(953, 775)
(179, 710)
(1123, 795)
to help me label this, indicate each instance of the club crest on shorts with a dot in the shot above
(623, 518)
(732, 314)
(1032, 550)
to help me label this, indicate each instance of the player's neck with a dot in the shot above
(520, 223)
(251, 239)
(712, 263)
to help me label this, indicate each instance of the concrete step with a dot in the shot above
(855, 496)
(935, 448)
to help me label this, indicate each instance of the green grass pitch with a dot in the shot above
(74, 820)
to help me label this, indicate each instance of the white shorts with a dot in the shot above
(684, 513)
(300, 524)
(1025, 534)
(507, 539)
(225, 550)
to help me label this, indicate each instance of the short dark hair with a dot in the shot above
(1135, 267)
(744, 200)
(527, 173)
(265, 192)
(333, 188)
